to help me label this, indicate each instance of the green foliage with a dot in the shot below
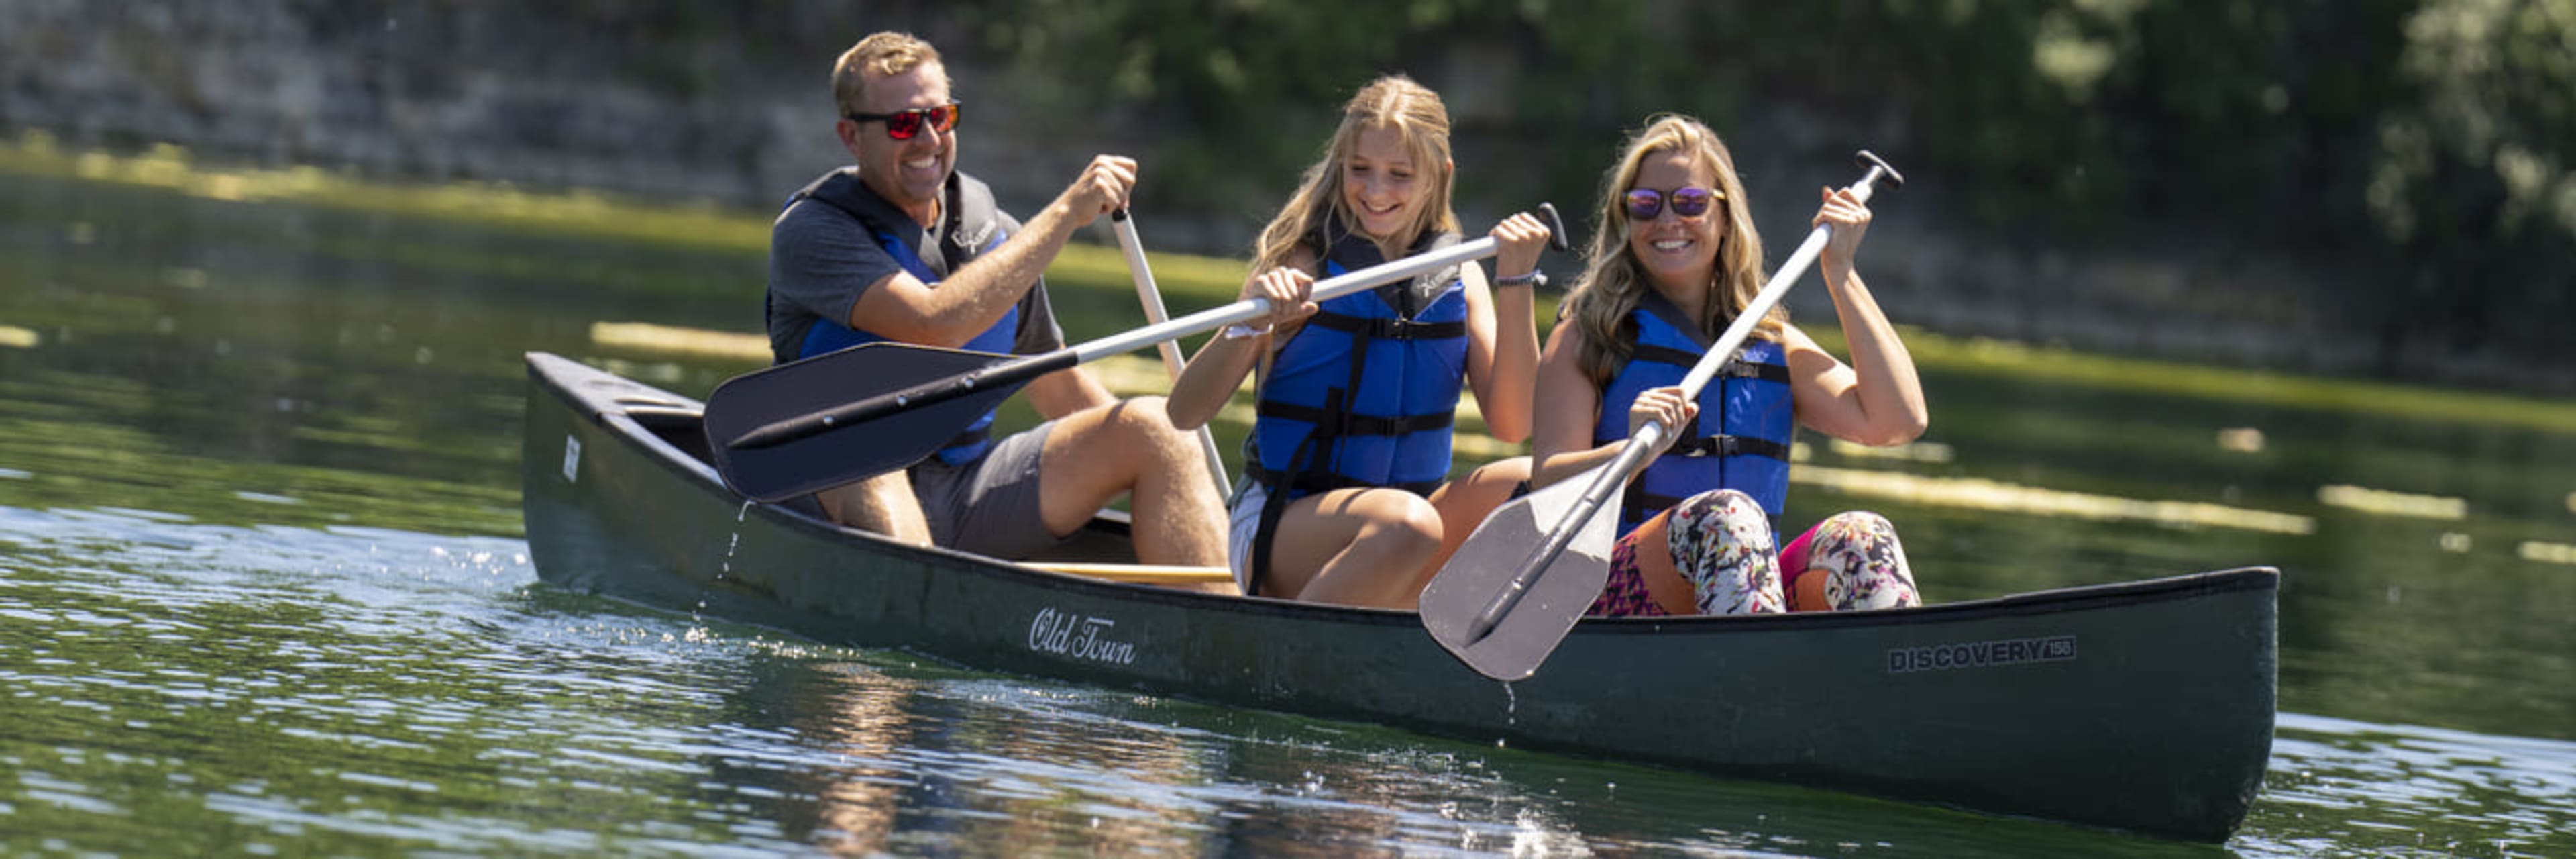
(2430, 144)
(2473, 180)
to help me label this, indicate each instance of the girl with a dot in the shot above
(1345, 498)
(1676, 259)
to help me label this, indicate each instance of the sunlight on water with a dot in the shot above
(2384, 502)
(1996, 496)
(2547, 553)
(646, 336)
(1915, 451)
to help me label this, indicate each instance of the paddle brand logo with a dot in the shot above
(1079, 637)
(1980, 654)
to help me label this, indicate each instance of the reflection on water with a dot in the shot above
(359, 690)
(261, 588)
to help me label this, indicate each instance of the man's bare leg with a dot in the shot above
(1131, 448)
(883, 504)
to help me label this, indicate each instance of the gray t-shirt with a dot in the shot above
(822, 257)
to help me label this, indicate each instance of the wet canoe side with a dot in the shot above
(2144, 706)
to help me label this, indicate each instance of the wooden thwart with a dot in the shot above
(1151, 574)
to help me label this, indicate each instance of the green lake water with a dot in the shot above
(263, 591)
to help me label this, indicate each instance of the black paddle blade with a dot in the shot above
(853, 451)
(1486, 564)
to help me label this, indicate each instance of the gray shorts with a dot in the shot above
(991, 506)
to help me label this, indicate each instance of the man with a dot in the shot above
(903, 247)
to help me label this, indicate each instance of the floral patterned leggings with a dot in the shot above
(1721, 546)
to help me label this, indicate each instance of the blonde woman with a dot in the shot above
(1675, 260)
(1346, 497)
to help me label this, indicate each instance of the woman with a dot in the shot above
(1345, 498)
(1676, 259)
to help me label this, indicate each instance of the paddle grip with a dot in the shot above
(1012, 374)
(1556, 236)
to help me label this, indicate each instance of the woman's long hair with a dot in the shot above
(1614, 282)
(1393, 101)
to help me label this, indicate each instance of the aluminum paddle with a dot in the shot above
(850, 415)
(1152, 300)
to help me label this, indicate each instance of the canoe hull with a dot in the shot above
(2144, 706)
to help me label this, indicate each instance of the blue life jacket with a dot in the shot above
(1739, 440)
(1365, 392)
(971, 215)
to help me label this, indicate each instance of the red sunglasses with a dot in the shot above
(903, 124)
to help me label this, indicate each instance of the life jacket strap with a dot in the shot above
(1337, 422)
(1729, 445)
(1388, 329)
(1734, 369)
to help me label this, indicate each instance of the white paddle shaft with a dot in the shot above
(1250, 309)
(1152, 299)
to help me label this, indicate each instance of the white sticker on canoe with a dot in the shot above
(1079, 637)
(572, 458)
(1980, 654)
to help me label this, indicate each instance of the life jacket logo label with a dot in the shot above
(1980, 654)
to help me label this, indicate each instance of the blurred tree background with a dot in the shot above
(2411, 162)
(2424, 151)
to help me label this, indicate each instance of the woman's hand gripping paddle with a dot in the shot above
(1507, 597)
(867, 410)
(1152, 300)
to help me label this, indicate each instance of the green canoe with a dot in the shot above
(2143, 706)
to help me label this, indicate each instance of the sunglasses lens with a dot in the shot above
(903, 125)
(1691, 202)
(1644, 204)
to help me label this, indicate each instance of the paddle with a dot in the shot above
(1526, 574)
(1152, 299)
(867, 410)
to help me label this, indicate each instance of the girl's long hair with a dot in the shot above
(1614, 283)
(1416, 114)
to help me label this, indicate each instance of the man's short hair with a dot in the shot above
(880, 55)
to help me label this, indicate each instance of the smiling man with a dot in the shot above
(902, 246)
